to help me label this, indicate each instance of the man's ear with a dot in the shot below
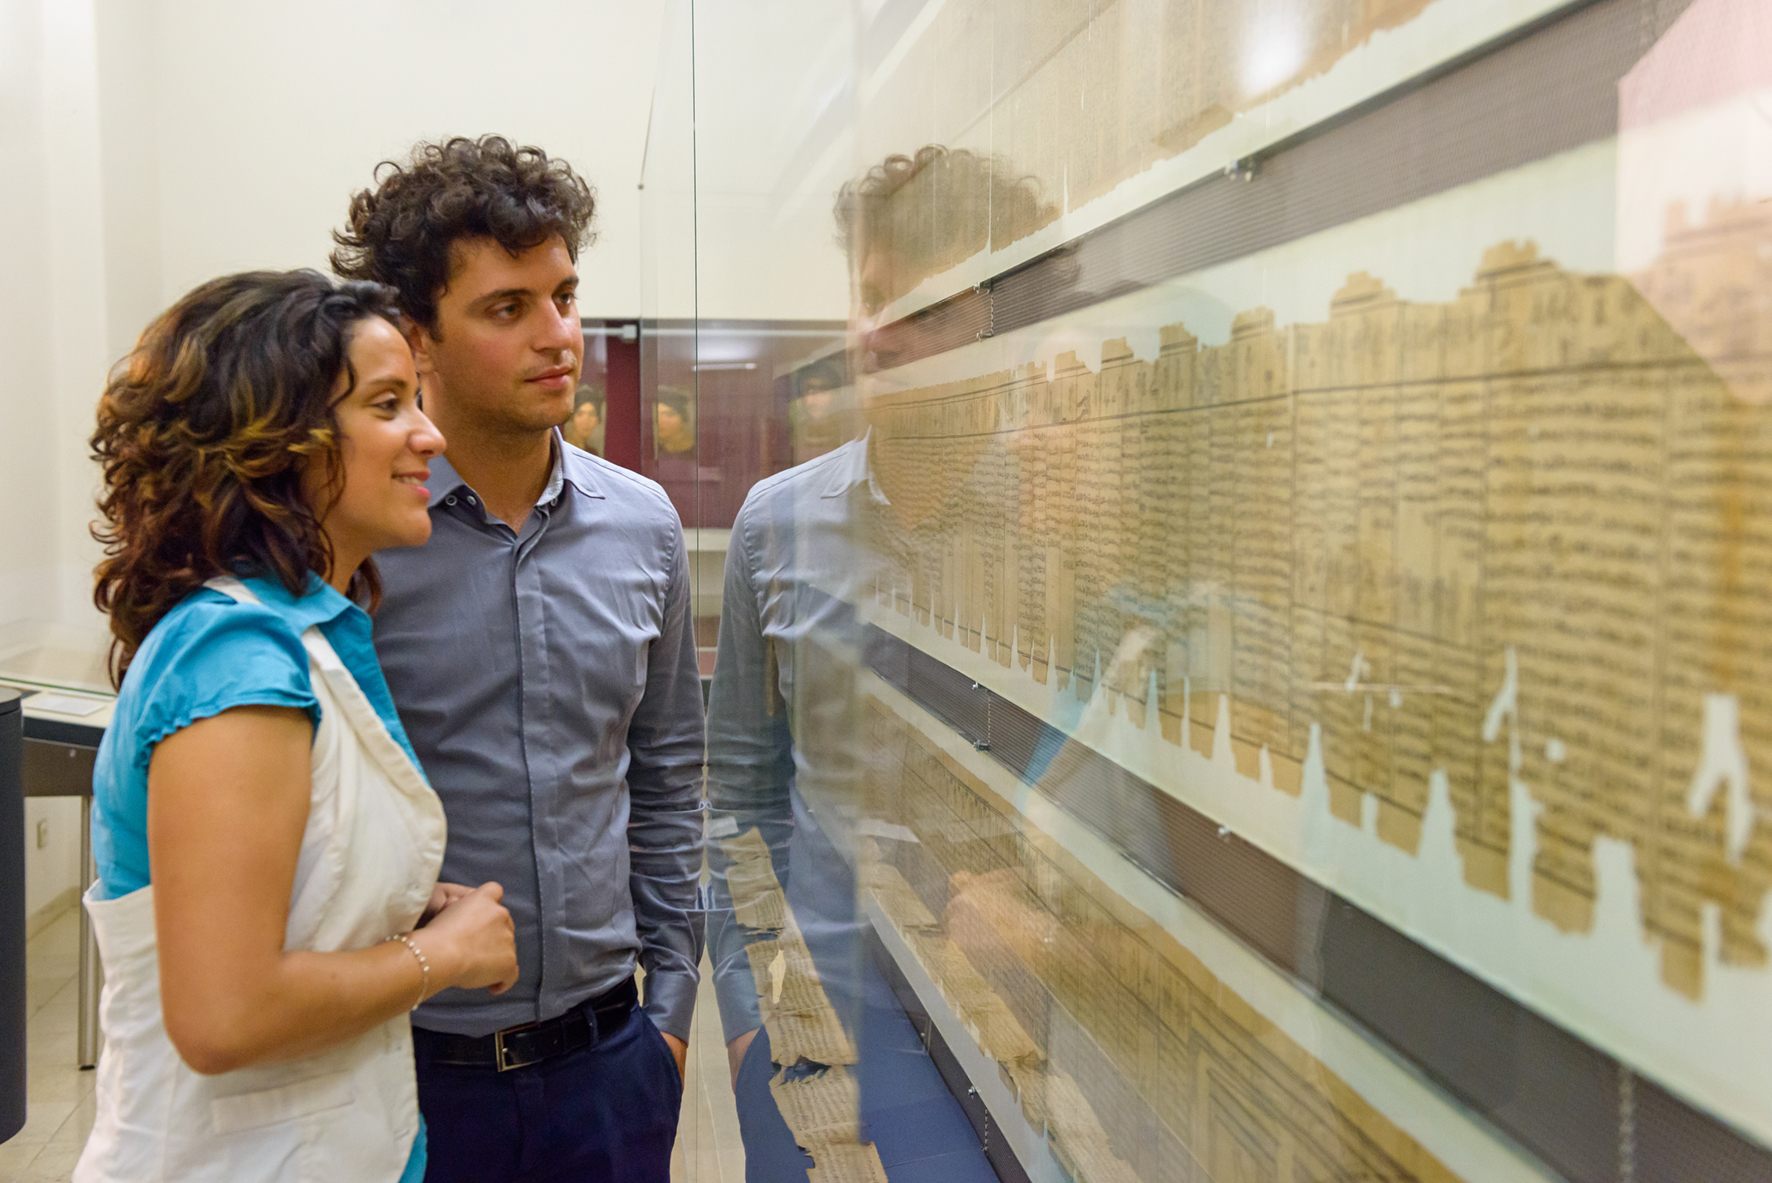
(422, 344)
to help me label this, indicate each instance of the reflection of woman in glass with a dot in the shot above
(260, 823)
(672, 431)
(585, 428)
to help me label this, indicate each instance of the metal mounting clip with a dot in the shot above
(1241, 170)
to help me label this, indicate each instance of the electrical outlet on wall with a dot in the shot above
(42, 832)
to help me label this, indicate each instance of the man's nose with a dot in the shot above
(562, 330)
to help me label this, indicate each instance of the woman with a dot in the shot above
(266, 843)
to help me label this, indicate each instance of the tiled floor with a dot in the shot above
(59, 1113)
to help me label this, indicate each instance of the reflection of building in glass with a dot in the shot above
(1097, 94)
(1694, 176)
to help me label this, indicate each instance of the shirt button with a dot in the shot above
(449, 500)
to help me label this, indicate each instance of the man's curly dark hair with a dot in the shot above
(400, 233)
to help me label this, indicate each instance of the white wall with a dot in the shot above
(49, 340)
(774, 122)
(152, 144)
(27, 405)
(267, 116)
(162, 142)
(79, 334)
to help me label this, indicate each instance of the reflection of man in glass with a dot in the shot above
(673, 432)
(585, 428)
(785, 762)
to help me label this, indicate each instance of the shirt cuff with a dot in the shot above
(670, 1002)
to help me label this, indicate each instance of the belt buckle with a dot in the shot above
(506, 1060)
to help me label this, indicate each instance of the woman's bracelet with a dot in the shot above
(424, 967)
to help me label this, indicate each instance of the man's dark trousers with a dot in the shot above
(606, 1111)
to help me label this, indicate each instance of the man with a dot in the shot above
(541, 652)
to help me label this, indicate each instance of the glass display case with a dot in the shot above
(1242, 636)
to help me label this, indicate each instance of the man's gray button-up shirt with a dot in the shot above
(547, 679)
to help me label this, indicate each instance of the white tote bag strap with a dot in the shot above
(358, 711)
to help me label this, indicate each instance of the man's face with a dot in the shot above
(508, 347)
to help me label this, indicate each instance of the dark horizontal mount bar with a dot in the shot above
(1580, 1111)
(1544, 88)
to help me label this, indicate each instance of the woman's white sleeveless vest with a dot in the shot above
(369, 858)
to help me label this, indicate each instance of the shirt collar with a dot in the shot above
(445, 481)
(575, 468)
(854, 468)
(556, 471)
(318, 603)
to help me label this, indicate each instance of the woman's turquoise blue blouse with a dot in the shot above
(208, 655)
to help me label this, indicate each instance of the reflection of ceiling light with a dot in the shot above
(1273, 58)
(629, 332)
(725, 365)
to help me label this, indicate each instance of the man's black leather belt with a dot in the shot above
(530, 1043)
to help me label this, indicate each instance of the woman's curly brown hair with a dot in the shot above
(203, 432)
(400, 233)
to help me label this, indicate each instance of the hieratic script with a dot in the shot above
(1524, 534)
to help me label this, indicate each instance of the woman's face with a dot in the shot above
(584, 419)
(385, 446)
(670, 423)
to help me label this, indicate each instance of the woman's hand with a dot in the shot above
(442, 896)
(471, 940)
(228, 801)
